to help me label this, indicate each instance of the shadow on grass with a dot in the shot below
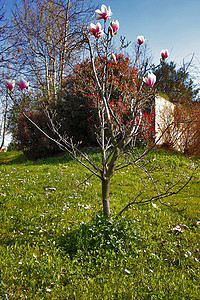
(13, 157)
(17, 157)
(64, 157)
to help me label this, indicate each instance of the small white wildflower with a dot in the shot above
(154, 205)
(87, 207)
(155, 255)
(52, 189)
(178, 228)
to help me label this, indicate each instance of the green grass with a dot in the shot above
(55, 244)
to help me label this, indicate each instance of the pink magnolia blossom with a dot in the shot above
(10, 84)
(140, 39)
(104, 13)
(164, 54)
(150, 79)
(114, 27)
(22, 84)
(96, 30)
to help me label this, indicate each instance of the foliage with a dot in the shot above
(47, 227)
(70, 115)
(147, 129)
(30, 140)
(122, 77)
(176, 83)
(99, 236)
(187, 118)
(78, 116)
(183, 127)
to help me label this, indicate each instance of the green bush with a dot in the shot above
(100, 236)
(72, 117)
(30, 140)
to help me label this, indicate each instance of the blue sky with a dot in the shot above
(171, 24)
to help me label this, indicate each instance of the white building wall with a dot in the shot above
(166, 129)
(164, 116)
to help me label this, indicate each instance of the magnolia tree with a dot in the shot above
(116, 135)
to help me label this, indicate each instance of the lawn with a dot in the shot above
(55, 244)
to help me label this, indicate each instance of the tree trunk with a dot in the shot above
(4, 122)
(64, 50)
(105, 196)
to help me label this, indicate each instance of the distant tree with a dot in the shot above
(176, 83)
(47, 38)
